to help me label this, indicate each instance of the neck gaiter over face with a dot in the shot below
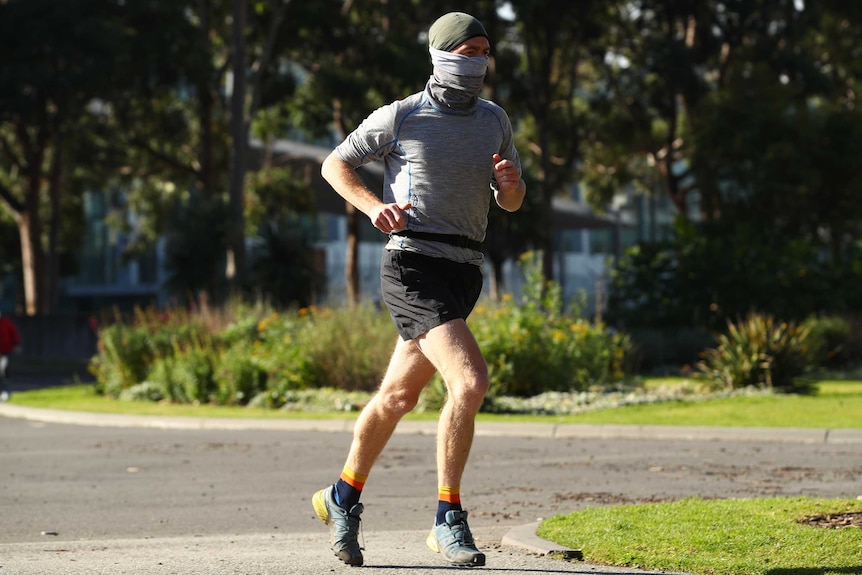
(455, 84)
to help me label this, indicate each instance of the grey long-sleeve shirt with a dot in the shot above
(439, 162)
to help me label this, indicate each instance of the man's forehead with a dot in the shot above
(476, 42)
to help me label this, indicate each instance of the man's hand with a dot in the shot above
(510, 186)
(389, 217)
(343, 178)
(508, 176)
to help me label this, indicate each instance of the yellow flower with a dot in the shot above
(578, 328)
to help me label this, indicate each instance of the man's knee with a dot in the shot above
(397, 404)
(469, 392)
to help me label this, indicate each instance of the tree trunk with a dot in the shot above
(52, 268)
(30, 228)
(351, 260)
(27, 269)
(547, 238)
(495, 282)
(239, 134)
(31, 263)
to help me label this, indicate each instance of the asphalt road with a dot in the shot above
(142, 499)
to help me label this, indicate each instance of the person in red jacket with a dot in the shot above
(10, 340)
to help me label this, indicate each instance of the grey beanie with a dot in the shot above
(453, 29)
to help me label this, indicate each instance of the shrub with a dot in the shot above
(163, 380)
(185, 375)
(123, 359)
(146, 391)
(830, 340)
(243, 326)
(853, 346)
(195, 374)
(759, 352)
(252, 355)
(712, 272)
(276, 346)
(537, 346)
(128, 347)
(239, 377)
(348, 348)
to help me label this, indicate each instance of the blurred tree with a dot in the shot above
(669, 62)
(58, 61)
(556, 42)
(249, 67)
(161, 130)
(195, 244)
(187, 132)
(744, 109)
(284, 270)
(783, 167)
(834, 45)
(10, 263)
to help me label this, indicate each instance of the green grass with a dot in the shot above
(835, 406)
(711, 537)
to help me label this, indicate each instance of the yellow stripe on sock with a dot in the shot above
(355, 480)
(450, 494)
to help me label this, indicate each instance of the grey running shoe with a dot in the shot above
(343, 525)
(454, 541)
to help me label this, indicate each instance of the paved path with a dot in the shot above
(132, 495)
(284, 554)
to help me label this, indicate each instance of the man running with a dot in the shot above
(445, 153)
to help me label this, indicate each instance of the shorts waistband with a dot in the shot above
(451, 239)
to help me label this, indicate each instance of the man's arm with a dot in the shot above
(511, 188)
(347, 183)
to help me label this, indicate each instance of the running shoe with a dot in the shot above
(343, 525)
(454, 541)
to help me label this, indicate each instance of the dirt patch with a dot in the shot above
(834, 520)
(603, 498)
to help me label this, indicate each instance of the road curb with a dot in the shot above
(524, 537)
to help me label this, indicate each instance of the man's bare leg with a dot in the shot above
(408, 373)
(452, 348)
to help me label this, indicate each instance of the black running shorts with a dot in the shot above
(422, 292)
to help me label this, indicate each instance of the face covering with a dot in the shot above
(456, 81)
